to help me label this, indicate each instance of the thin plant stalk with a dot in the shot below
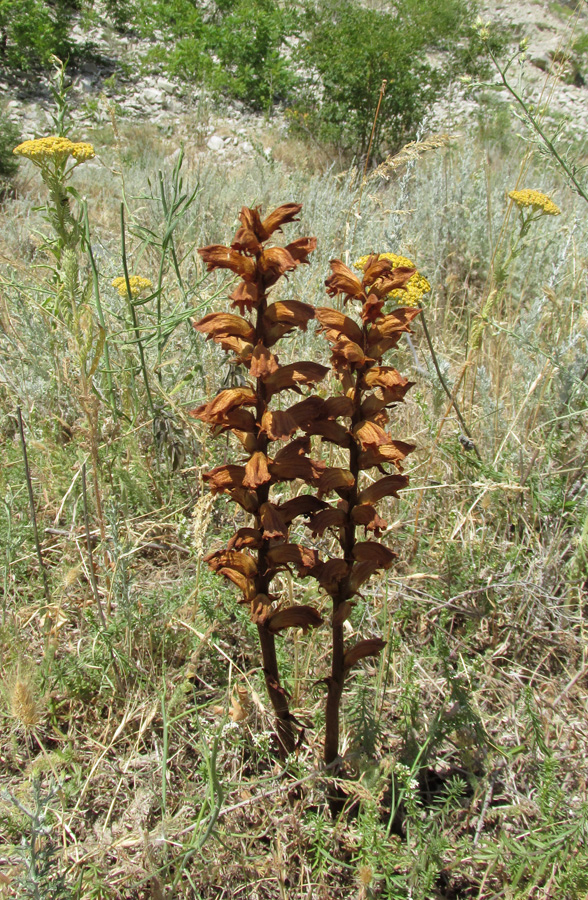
(39, 552)
(100, 311)
(133, 313)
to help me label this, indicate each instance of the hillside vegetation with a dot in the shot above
(137, 740)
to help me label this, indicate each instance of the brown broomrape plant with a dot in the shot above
(369, 389)
(256, 553)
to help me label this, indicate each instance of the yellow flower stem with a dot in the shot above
(535, 124)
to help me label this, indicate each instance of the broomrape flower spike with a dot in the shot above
(137, 285)
(369, 389)
(537, 201)
(256, 554)
(416, 286)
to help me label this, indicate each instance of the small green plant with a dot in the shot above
(41, 878)
(31, 31)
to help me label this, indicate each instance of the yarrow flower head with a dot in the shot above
(536, 200)
(44, 151)
(416, 286)
(137, 285)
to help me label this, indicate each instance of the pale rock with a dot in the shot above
(153, 96)
(215, 143)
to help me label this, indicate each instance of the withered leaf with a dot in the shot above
(279, 425)
(274, 526)
(336, 479)
(300, 249)
(285, 213)
(275, 262)
(343, 281)
(233, 559)
(304, 505)
(372, 551)
(332, 320)
(365, 514)
(385, 487)
(215, 412)
(218, 257)
(263, 362)
(369, 647)
(304, 617)
(224, 478)
(256, 471)
(304, 558)
(292, 375)
(245, 537)
(284, 315)
(327, 518)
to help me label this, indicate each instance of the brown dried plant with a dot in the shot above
(256, 553)
(369, 389)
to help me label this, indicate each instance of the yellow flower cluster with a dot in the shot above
(535, 199)
(44, 150)
(83, 151)
(138, 285)
(416, 286)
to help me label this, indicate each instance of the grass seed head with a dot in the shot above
(23, 703)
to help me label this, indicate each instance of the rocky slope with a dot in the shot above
(555, 72)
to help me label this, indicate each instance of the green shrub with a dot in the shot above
(234, 46)
(32, 30)
(249, 40)
(9, 138)
(350, 50)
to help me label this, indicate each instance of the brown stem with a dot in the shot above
(347, 540)
(278, 697)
